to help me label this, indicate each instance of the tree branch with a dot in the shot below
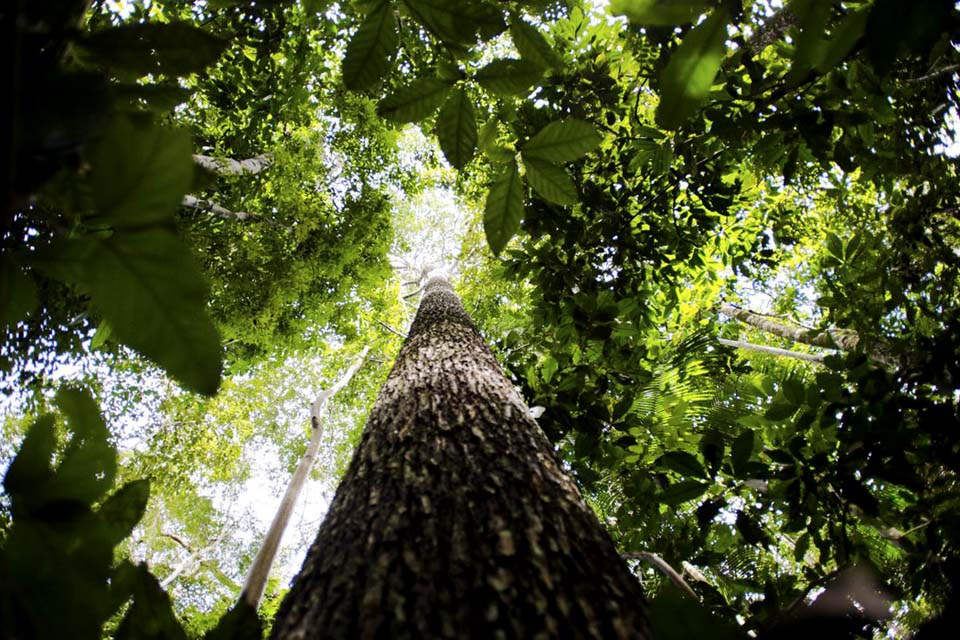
(665, 568)
(260, 569)
(773, 351)
(231, 167)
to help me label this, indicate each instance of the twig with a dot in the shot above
(391, 329)
(665, 568)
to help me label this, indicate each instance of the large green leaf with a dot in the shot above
(509, 77)
(446, 19)
(89, 463)
(531, 44)
(659, 13)
(562, 141)
(147, 286)
(124, 509)
(139, 174)
(741, 451)
(675, 616)
(683, 491)
(457, 129)
(684, 463)
(151, 615)
(415, 101)
(550, 181)
(504, 208)
(371, 48)
(174, 48)
(31, 466)
(687, 79)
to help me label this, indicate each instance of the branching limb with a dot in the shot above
(231, 167)
(260, 569)
(665, 568)
(773, 351)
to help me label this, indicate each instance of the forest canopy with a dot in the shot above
(714, 243)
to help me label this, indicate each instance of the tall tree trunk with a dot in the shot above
(455, 517)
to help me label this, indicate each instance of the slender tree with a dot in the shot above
(455, 517)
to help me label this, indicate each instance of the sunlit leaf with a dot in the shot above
(687, 79)
(562, 141)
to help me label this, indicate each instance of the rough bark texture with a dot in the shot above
(455, 517)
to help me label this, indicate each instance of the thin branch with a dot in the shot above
(260, 569)
(193, 202)
(391, 329)
(774, 351)
(933, 75)
(178, 540)
(665, 568)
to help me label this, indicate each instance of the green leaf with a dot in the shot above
(172, 48)
(371, 49)
(124, 508)
(531, 44)
(160, 97)
(415, 101)
(550, 181)
(659, 13)
(457, 129)
(509, 77)
(548, 368)
(18, 293)
(151, 616)
(504, 207)
(683, 491)
(662, 158)
(101, 336)
(795, 392)
(31, 466)
(147, 286)
(750, 529)
(562, 141)
(741, 451)
(684, 463)
(89, 463)
(139, 174)
(687, 79)
(780, 411)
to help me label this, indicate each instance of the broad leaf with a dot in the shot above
(562, 141)
(675, 616)
(151, 615)
(371, 48)
(509, 77)
(239, 623)
(531, 44)
(550, 181)
(174, 48)
(457, 129)
(683, 491)
(139, 174)
(415, 101)
(504, 208)
(659, 13)
(684, 463)
(445, 19)
(124, 509)
(89, 463)
(31, 466)
(147, 286)
(687, 79)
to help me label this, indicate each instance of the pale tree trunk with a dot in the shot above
(842, 339)
(231, 167)
(260, 569)
(455, 518)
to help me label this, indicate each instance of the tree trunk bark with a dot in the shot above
(455, 517)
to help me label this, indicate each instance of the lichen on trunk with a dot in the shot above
(455, 517)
